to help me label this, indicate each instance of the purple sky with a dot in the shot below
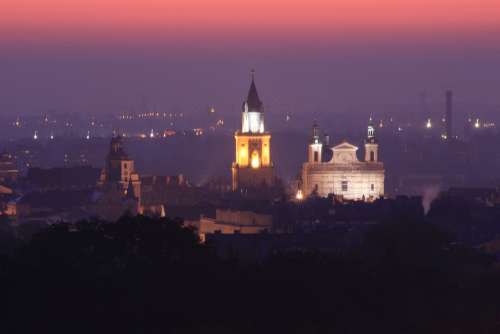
(327, 76)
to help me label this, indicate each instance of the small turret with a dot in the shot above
(315, 146)
(370, 136)
(371, 144)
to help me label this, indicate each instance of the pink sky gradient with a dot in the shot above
(226, 20)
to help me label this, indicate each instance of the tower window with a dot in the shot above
(344, 186)
(316, 156)
(372, 156)
(125, 166)
(255, 162)
(372, 187)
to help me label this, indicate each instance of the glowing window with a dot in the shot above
(255, 163)
(243, 153)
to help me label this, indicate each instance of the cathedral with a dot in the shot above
(343, 175)
(252, 167)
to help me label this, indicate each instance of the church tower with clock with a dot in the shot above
(252, 167)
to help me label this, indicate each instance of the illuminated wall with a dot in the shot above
(345, 175)
(253, 165)
(248, 146)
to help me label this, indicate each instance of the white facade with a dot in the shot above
(344, 175)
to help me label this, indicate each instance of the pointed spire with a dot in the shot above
(253, 101)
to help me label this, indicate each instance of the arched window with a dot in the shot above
(372, 156)
(255, 162)
(316, 156)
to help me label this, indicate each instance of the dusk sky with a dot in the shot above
(103, 55)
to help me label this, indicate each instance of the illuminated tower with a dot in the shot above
(253, 166)
(315, 146)
(371, 144)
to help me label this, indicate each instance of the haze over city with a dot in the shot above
(310, 57)
(250, 166)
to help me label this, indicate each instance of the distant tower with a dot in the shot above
(449, 115)
(119, 186)
(252, 166)
(315, 148)
(120, 170)
(371, 144)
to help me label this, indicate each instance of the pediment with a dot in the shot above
(345, 146)
(344, 153)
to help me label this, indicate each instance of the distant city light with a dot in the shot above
(88, 135)
(428, 125)
(489, 125)
(152, 134)
(35, 136)
(477, 125)
(168, 133)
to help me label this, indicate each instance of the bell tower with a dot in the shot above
(371, 143)
(252, 166)
(315, 148)
(120, 170)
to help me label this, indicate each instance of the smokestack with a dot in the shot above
(449, 117)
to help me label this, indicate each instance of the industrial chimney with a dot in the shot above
(449, 117)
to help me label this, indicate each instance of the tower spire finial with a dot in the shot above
(252, 73)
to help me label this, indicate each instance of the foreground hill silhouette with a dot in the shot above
(146, 275)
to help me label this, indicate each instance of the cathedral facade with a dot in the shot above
(252, 167)
(343, 175)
